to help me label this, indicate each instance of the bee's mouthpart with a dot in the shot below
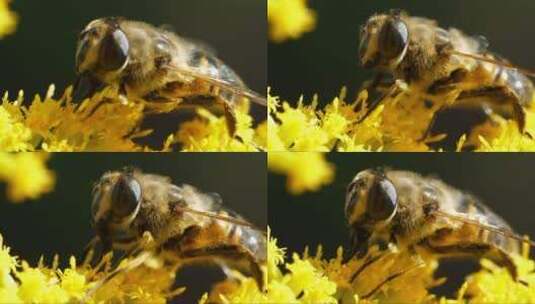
(85, 86)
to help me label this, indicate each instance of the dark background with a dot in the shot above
(59, 222)
(326, 59)
(502, 181)
(42, 49)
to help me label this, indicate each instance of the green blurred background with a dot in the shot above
(41, 51)
(504, 182)
(59, 222)
(326, 59)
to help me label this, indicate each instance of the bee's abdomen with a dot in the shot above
(255, 241)
(521, 86)
(498, 233)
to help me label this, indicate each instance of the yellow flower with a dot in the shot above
(302, 284)
(8, 19)
(289, 19)
(509, 139)
(136, 282)
(397, 277)
(34, 285)
(108, 122)
(306, 279)
(305, 171)
(26, 175)
(14, 135)
(395, 125)
(494, 284)
(209, 133)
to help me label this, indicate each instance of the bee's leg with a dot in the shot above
(197, 94)
(213, 104)
(388, 280)
(446, 84)
(229, 252)
(86, 86)
(378, 85)
(359, 242)
(473, 108)
(392, 91)
(441, 245)
(456, 121)
(230, 115)
(188, 247)
(365, 265)
(155, 96)
(501, 99)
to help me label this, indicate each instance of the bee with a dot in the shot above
(187, 226)
(157, 66)
(427, 217)
(443, 75)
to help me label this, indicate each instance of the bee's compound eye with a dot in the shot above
(114, 50)
(382, 200)
(125, 197)
(393, 39)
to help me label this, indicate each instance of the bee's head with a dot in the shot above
(371, 200)
(101, 54)
(384, 40)
(116, 202)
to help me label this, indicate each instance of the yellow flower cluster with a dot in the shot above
(301, 282)
(26, 175)
(307, 128)
(305, 171)
(21, 283)
(108, 122)
(396, 277)
(389, 127)
(208, 133)
(494, 284)
(8, 19)
(289, 19)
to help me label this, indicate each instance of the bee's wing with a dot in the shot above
(495, 61)
(176, 193)
(495, 229)
(217, 217)
(238, 90)
(201, 44)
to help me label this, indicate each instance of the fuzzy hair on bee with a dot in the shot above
(187, 226)
(426, 216)
(158, 67)
(446, 74)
